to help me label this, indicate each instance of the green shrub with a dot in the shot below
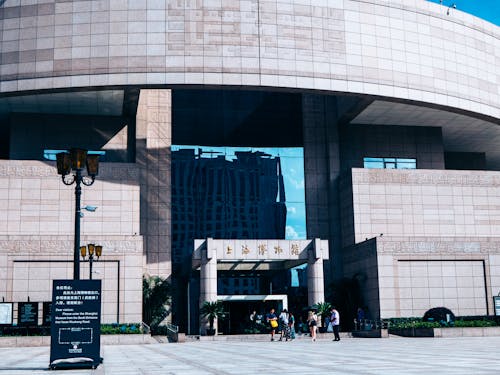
(475, 323)
(413, 323)
(418, 323)
(116, 329)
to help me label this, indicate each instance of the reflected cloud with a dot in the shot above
(290, 233)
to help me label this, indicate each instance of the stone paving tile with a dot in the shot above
(420, 356)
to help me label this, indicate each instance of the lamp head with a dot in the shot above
(98, 250)
(93, 165)
(91, 247)
(83, 251)
(63, 163)
(78, 157)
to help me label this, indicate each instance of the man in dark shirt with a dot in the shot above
(272, 320)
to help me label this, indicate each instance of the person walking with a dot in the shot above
(312, 322)
(283, 325)
(360, 317)
(291, 324)
(272, 320)
(335, 321)
(253, 318)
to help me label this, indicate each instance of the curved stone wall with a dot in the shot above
(405, 49)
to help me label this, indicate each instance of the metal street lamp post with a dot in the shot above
(97, 249)
(70, 166)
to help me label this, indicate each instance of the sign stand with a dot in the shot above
(496, 304)
(75, 324)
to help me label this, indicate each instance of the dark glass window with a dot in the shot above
(390, 163)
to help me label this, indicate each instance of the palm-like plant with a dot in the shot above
(323, 309)
(212, 311)
(156, 296)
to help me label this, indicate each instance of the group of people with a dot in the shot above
(284, 324)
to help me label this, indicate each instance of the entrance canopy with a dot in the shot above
(259, 254)
(283, 298)
(211, 255)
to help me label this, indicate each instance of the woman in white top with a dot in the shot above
(312, 322)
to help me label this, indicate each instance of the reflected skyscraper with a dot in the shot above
(215, 197)
(223, 196)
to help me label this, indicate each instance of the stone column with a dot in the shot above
(315, 280)
(208, 281)
(153, 141)
(322, 170)
(326, 214)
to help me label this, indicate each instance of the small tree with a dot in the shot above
(212, 311)
(156, 297)
(323, 309)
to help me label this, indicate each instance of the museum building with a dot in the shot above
(394, 106)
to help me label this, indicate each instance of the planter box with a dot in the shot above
(412, 332)
(124, 339)
(373, 333)
(467, 332)
(446, 332)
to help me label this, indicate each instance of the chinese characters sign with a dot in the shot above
(27, 314)
(75, 322)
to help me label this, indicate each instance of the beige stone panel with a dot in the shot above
(432, 212)
(153, 142)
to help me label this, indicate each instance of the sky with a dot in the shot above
(488, 10)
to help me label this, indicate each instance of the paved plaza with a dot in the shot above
(394, 355)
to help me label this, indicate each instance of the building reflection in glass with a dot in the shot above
(234, 193)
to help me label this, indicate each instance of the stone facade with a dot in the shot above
(133, 206)
(425, 203)
(432, 237)
(403, 49)
(37, 223)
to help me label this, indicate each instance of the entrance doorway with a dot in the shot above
(239, 308)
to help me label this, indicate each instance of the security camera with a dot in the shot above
(90, 208)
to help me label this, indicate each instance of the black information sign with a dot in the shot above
(46, 314)
(496, 303)
(27, 314)
(75, 324)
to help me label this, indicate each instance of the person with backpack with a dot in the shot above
(283, 325)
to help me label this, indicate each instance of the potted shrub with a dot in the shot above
(323, 311)
(212, 311)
